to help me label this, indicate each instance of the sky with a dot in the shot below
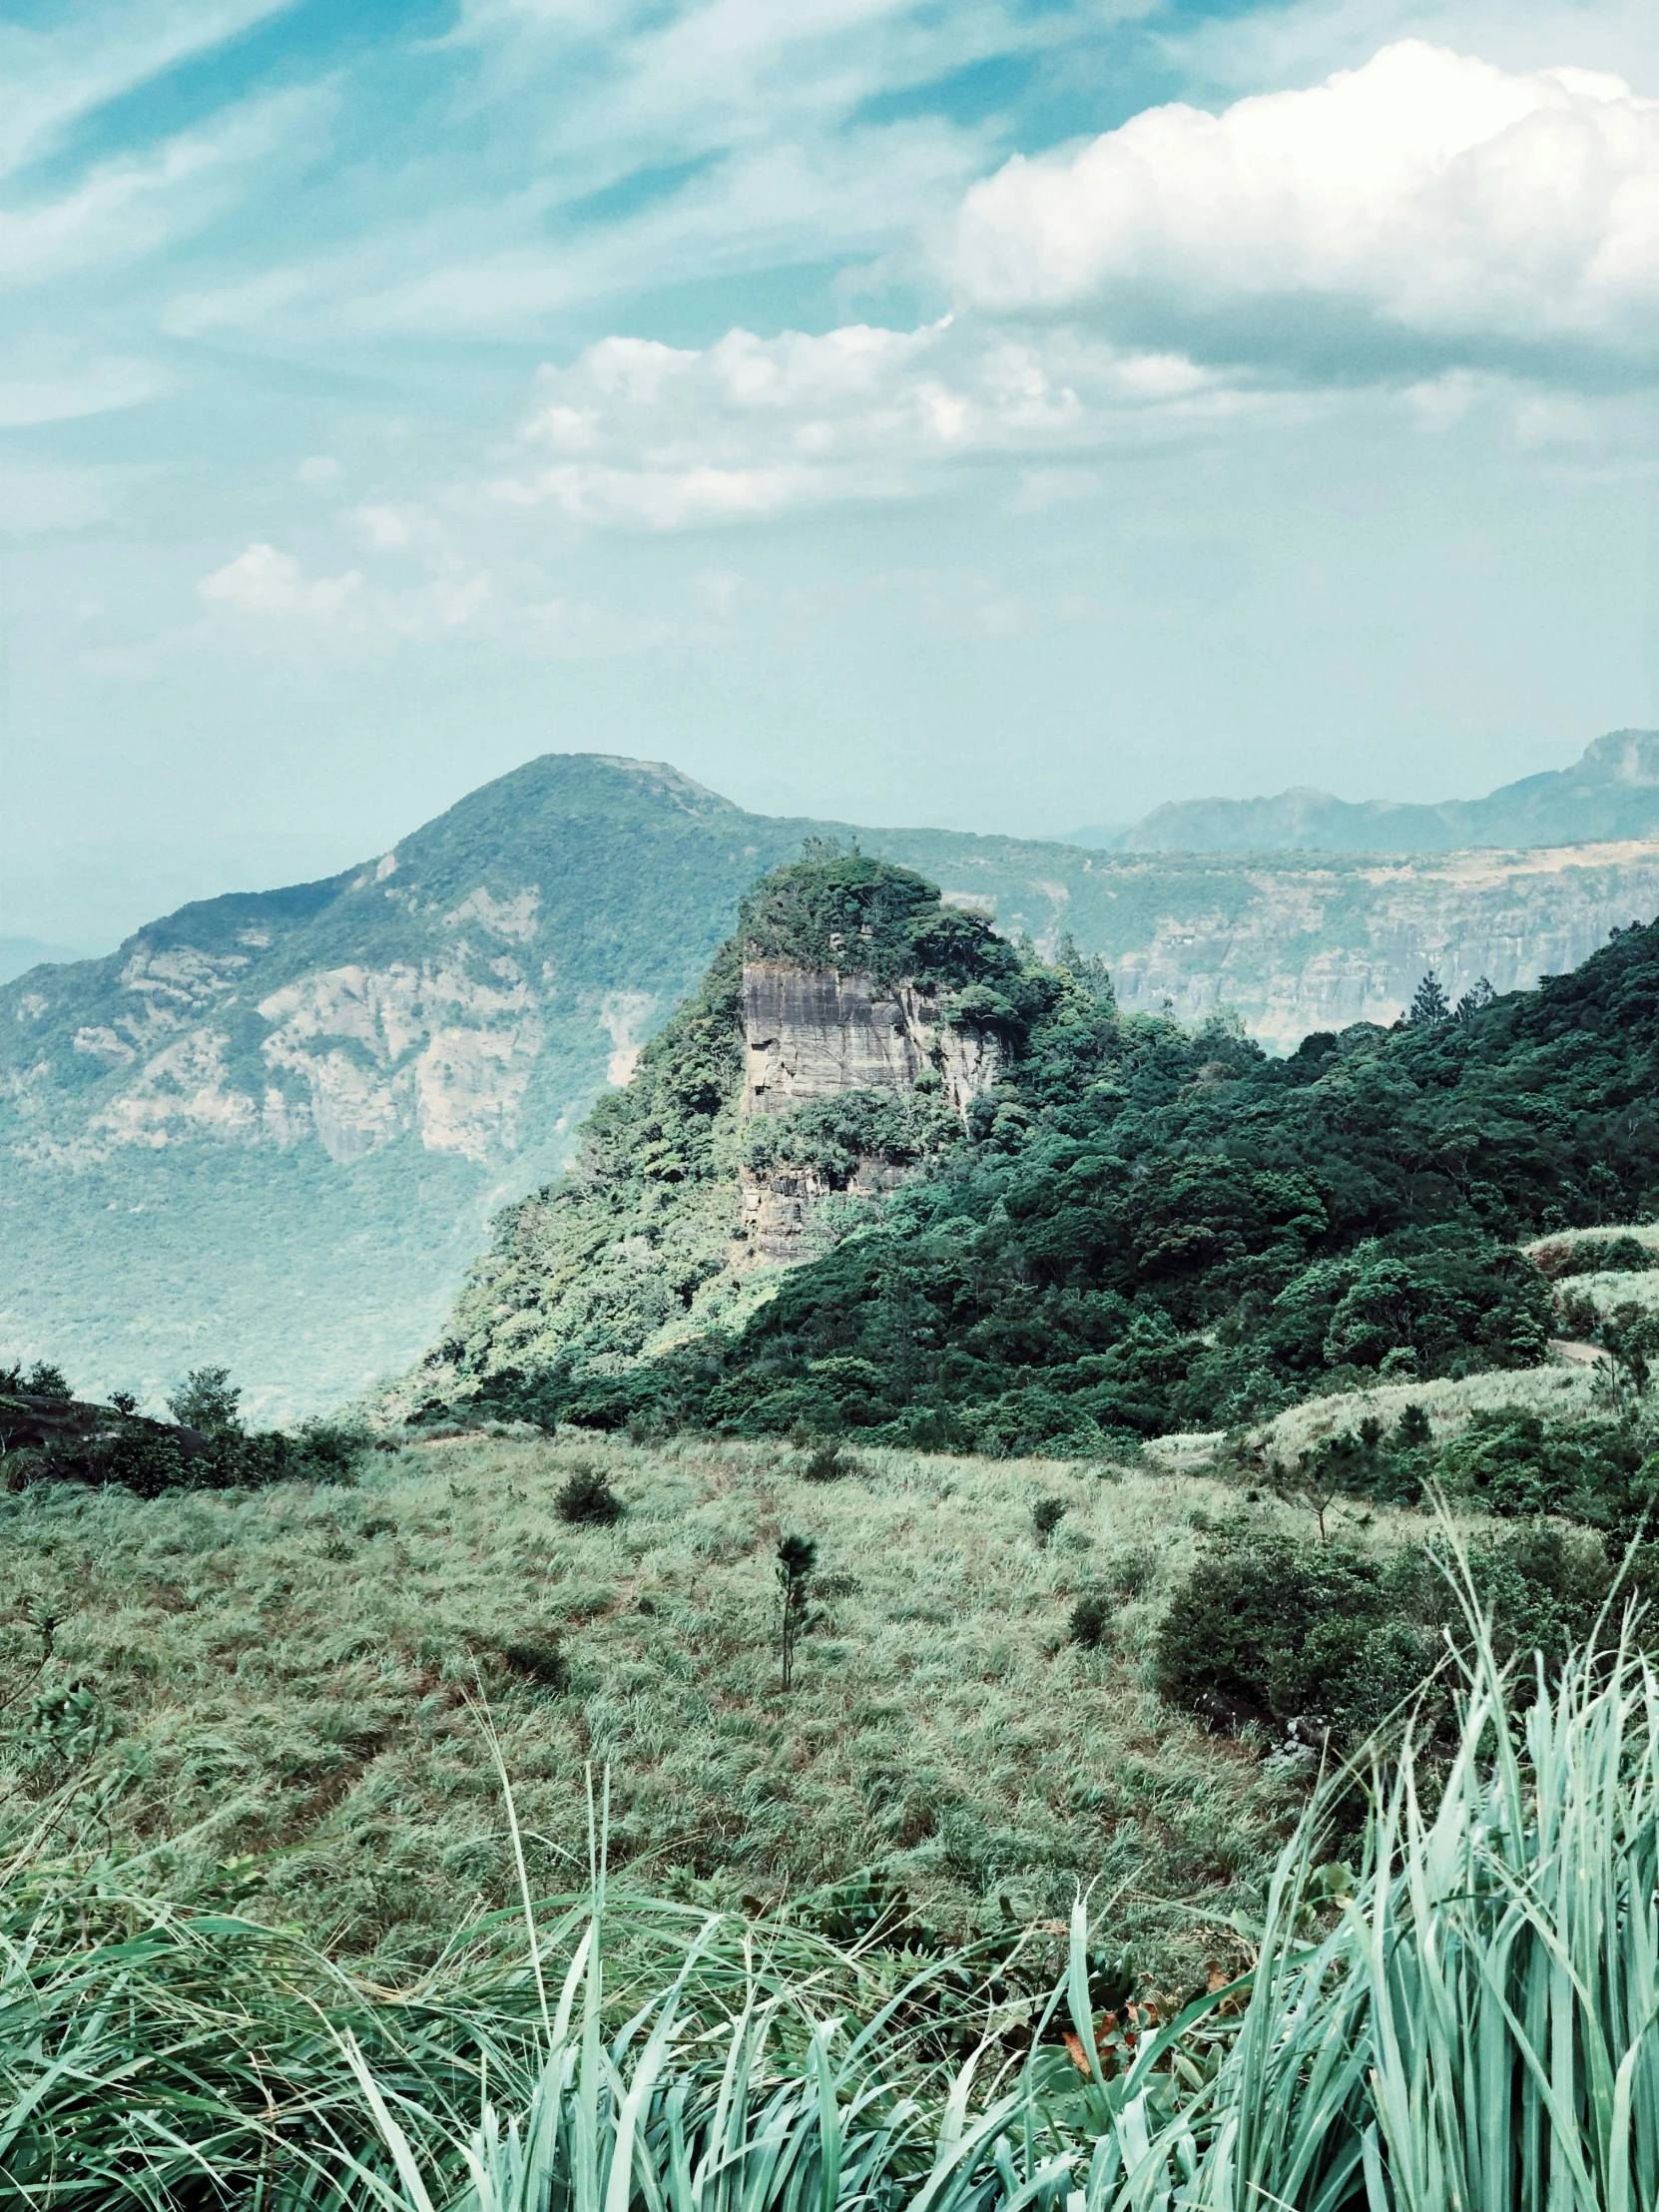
(1005, 414)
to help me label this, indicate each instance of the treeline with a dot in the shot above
(1141, 1228)
(47, 1433)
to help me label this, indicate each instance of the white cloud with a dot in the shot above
(397, 529)
(1553, 418)
(272, 586)
(318, 468)
(263, 581)
(1426, 191)
(663, 438)
(98, 387)
(93, 54)
(131, 205)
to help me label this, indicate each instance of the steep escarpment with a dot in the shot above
(839, 1040)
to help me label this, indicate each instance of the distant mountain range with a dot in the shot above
(1611, 794)
(19, 954)
(269, 1129)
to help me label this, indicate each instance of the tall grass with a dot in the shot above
(1466, 2023)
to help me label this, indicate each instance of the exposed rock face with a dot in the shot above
(1309, 942)
(781, 1208)
(809, 1032)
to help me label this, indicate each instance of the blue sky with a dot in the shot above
(996, 414)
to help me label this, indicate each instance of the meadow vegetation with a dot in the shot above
(1459, 2013)
(295, 1675)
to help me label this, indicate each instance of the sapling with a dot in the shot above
(797, 1557)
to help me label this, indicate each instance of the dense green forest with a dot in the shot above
(1140, 1228)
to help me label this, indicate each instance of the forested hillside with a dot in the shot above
(1139, 1228)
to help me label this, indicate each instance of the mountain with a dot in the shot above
(1031, 1223)
(270, 1129)
(1610, 793)
(19, 954)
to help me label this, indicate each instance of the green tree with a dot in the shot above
(208, 1400)
(1430, 1007)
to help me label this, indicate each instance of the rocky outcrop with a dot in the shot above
(783, 1209)
(810, 1032)
(1313, 942)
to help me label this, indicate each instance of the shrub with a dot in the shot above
(206, 1399)
(1091, 1619)
(826, 1462)
(43, 1379)
(1046, 1517)
(1623, 1255)
(588, 1496)
(542, 1663)
(1268, 1630)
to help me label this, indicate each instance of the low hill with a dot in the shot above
(1610, 792)
(1092, 1227)
(270, 1129)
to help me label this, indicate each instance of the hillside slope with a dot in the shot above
(1129, 1227)
(1610, 792)
(271, 1128)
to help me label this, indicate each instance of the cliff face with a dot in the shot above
(1315, 942)
(812, 1032)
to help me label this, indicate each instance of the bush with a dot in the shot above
(828, 1462)
(1623, 1255)
(206, 1399)
(1091, 1619)
(588, 1496)
(542, 1663)
(1046, 1517)
(1270, 1631)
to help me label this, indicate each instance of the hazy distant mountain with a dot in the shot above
(19, 954)
(269, 1129)
(1610, 793)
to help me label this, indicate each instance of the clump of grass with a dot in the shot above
(537, 1661)
(588, 1496)
(1091, 1620)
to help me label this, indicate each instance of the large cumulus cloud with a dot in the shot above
(1426, 205)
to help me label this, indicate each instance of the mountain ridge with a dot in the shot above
(1609, 793)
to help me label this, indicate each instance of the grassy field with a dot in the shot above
(302, 1671)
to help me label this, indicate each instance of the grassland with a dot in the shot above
(301, 1671)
